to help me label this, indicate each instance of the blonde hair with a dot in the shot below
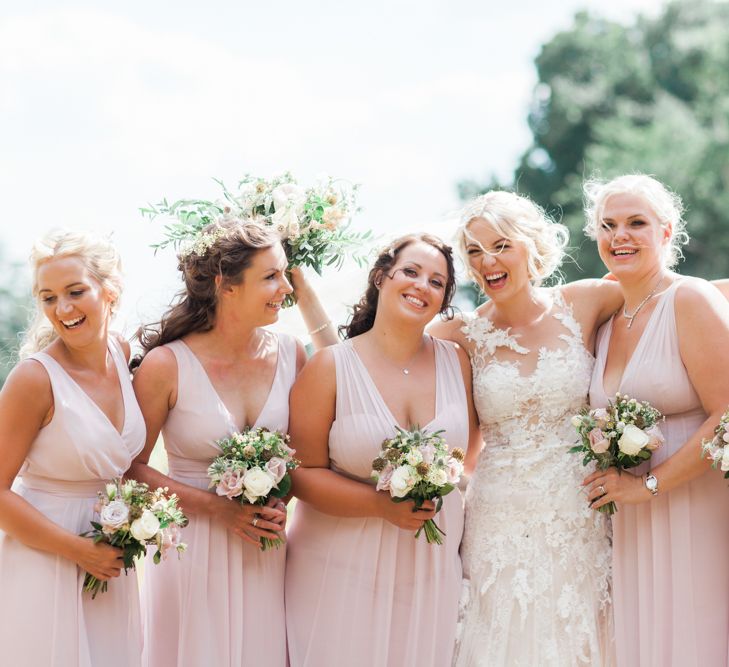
(518, 219)
(667, 206)
(99, 256)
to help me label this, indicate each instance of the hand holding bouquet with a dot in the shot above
(622, 436)
(252, 468)
(415, 465)
(717, 449)
(131, 517)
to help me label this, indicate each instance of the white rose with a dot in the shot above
(576, 421)
(725, 437)
(257, 483)
(725, 460)
(454, 470)
(145, 527)
(113, 516)
(414, 457)
(437, 476)
(601, 417)
(403, 479)
(288, 196)
(632, 440)
(286, 223)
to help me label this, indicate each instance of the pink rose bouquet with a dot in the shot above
(132, 517)
(252, 468)
(623, 435)
(717, 449)
(415, 465)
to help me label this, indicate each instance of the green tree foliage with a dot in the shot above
(13, 313)
(650, 97)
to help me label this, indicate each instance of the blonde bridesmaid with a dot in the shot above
(69, 422)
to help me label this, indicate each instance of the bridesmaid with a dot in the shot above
(667, 345)
(211, 369)
(359, 587)
(68, 424)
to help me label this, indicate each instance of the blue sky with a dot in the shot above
(104, 108)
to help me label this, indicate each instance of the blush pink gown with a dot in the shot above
(222, 602)
(671, 554)
(45, 619)
(360, 591)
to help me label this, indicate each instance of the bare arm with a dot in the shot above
(313, 400)
(475, 441)
(722, 286)
(20, 421)
(593, 302)
(155, 385)
(317, 321)
(450, 330)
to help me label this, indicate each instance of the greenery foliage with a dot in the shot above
(649, 97)
(14, 295)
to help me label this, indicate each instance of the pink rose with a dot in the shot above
(598, 441)
(656, 437)
(454, 470)
(171, 539)
(230, 484)
(383, 482)
(277, 468)
(428, 453)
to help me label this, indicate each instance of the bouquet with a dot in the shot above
(718, 447)
(415, 465)
(253, 467)
(131, 517)
(313, 222)
(623, 435)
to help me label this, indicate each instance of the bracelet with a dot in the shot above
(320, 328)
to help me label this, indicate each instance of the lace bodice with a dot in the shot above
(535, 557)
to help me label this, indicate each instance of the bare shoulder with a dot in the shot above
(699, 301)
(28, 380)
(124, 344)
(321, 361)
(159, 365)
(590, 288)
(449, 329)
(300, 355)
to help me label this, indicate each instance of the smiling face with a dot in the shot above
(415, 286)
(631, 239)
(75, 303)
(260, 294)
(500, 264)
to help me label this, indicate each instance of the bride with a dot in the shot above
(536, 558)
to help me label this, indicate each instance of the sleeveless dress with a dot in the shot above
(222, 602)
(361, 591)
(536, 559)
(671, 554)
(45, 619)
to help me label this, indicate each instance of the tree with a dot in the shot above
(13, 313)
(650, 97)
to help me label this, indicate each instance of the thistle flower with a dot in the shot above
(379, 464)
(423, 469)
(392, 455)
(249, 451)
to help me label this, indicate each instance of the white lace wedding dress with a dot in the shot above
(536, 559)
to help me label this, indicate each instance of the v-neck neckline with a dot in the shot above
(92, 401)
(215, 393)
(639, 346)
(370, 380)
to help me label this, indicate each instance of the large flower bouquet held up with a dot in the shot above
(416, 465)
(252, 468)
(622, 436)
(313, 222)
(717, 449)
(132, 517)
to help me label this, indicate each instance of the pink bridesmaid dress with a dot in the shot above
(222, 602)
(45, 619)
(671, 554)
(360, 591)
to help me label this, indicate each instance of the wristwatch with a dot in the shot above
(651, 483)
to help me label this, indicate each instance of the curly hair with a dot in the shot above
(195, 306)
(98, 255)
(666, 204)
(364, 312)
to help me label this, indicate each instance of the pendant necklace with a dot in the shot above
(630, 318)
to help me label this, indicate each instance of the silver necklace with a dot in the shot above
(630, 318)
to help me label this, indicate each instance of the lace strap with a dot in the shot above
(565, 315)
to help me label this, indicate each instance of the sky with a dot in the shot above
(106, 107)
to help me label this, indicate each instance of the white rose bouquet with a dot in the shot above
(313, 222)
(253, 467)
(131, 517)
(717, 449)
(415, 465)
(623, 435)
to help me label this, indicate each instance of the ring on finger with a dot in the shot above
(601, 489)
(255, 520)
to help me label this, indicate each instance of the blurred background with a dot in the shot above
(103, 110)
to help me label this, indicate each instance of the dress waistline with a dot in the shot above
(70, 488)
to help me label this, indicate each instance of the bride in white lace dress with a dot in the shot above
(536, 559)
